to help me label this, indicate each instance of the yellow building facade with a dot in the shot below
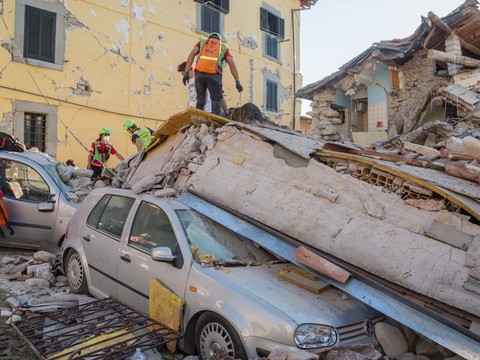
(69, 68)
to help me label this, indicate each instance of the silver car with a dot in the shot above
(36, 200)
(117, 241)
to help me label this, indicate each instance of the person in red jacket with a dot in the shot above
(100, 152)
(208, 70)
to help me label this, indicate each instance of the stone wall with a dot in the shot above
(418, 79)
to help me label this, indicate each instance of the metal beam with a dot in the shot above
(389, 305)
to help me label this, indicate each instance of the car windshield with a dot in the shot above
(52, 171)
(213, 243)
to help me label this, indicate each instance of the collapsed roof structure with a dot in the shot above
(401, 84)
(401, 220)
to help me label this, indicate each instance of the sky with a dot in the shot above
(335, 31)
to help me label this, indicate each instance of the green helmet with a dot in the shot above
(105, 131)
(215, 34)
(128, 124)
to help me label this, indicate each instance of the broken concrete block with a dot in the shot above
(37, 283)
(7, 260)
(286, 354)
(407, 356)
(5, 313)
(99, 184)
(429, 205)
(13, 302)
(81, 172)
(13, 319)
(424, 150)
(391, 339)
(145, 184)
(33, 269)
(471, 146)
(165, 192)
(454, 144)
(44, 257)
(47, 275)
(372, 208)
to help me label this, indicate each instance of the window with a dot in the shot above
(221, 5)
(39, 33)
(35, 130)
(274, 30)
(109, 215)
(39, 42)
(36, 125)
(20, 181)
(271, 102)
(210, 15)
(394, 79)
(152, 228)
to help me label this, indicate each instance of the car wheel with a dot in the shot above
(76, 273)
(212, 333)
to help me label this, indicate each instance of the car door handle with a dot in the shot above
(126, 258)
(87, 238)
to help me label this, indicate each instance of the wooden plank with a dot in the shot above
(316, 262)
(166, 307)
(316, 286)
(179, 120)
(449, 235)
(302, 272)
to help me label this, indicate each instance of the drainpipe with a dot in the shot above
(295, 64)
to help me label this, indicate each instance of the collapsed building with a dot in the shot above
(400, 219)
(396, 86)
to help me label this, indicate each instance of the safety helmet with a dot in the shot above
(105, 131)
(128, 124)
(215, 34)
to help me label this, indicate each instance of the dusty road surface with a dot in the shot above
(12, 346)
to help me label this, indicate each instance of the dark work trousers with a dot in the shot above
(97, 171)
(212, 82)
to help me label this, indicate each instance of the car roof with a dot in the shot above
(172, 201)
(36, 156)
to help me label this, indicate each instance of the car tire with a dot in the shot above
(76, 273)
(212, 333)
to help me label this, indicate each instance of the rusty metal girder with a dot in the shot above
(104, 329)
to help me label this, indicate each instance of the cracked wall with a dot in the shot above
(120, 62)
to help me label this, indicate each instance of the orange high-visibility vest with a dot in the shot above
(209, 58)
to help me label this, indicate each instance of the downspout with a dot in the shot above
(294, 46)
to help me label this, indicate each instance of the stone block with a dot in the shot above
(391, 339)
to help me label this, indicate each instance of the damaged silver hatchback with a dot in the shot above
(237, 294)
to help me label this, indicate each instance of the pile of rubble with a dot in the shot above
(457, 152)
(39, 284)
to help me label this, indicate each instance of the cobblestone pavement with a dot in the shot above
(12, 346)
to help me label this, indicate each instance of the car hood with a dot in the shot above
(331, 306)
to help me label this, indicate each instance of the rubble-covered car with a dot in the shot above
(36, 200)
(234, 296)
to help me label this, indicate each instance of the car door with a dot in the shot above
(152, 227)
(31, 210)
(101, 240)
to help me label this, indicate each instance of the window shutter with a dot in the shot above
(263, 19)
(281, 28)
(271, 23)
(222, 5)
(39, 34)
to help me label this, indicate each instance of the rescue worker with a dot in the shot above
(100, 152)
(141, 137)
(208, 70)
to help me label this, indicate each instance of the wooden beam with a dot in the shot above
(454, 59)
(322, 265)
(449, 31)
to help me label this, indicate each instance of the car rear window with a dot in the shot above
(110, 213)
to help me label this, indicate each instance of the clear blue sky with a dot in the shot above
(335, 31)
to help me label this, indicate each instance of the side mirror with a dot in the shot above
(162, 254)
(46, 206)
(50, 198)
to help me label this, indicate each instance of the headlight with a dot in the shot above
(313, 336)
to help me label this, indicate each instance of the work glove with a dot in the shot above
(186, 77)
(238, 86)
